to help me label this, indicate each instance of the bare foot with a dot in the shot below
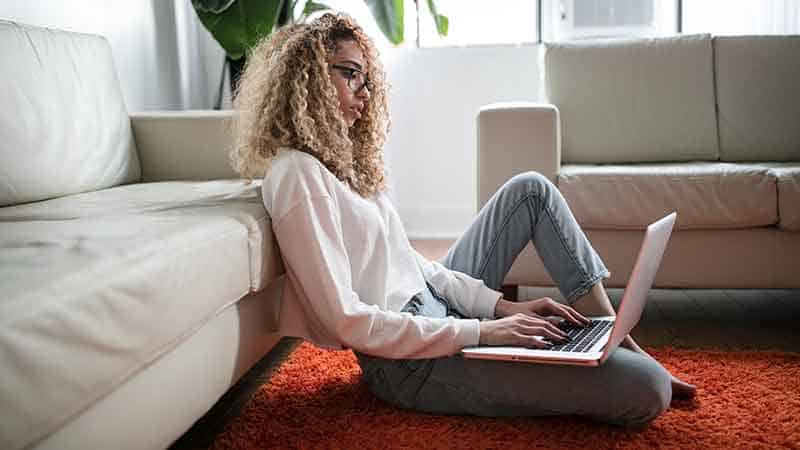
(681, 389)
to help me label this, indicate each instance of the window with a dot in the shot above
(581, 19)
(479, 22)
(514, 22)
(741, 16)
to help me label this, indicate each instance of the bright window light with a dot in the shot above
(741, 16)
(479, 22)
(585, 19)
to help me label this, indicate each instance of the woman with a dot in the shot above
(313, 116)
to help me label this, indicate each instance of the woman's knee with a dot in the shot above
(650, 393)
(529, 182)
(652, 404)
(640, 389)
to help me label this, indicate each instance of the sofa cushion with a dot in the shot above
(788, 179)
(98, 285)
(705, 195)
(758, 92)
(63, 122)
(637, 100)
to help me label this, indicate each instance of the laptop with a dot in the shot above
(592, 345)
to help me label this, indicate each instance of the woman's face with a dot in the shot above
(352, 86)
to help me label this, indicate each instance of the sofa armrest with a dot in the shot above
(184, 145)
(515, 137)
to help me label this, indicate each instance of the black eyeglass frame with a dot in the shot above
(352, 70)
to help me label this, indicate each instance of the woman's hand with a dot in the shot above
(520, 329)
(541, 307)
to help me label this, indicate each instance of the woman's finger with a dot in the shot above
(582, 320)
(545, 330)
(573, 316)
(547, 325)
(554, 320)
(569, 314)
(533, 342)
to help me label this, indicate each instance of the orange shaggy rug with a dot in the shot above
(315, 400)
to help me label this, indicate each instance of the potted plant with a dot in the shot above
(237, 25)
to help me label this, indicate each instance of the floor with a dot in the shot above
(721, 319)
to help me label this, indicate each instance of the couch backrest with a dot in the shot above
(64, 127)
(634, 100)
(758, 95)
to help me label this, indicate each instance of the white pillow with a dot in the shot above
(634, 100)
(63, 121)
(758, 92)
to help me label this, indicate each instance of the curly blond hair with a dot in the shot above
(286, 98)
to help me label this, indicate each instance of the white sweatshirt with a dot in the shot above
(350, 269)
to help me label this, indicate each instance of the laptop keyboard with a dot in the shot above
(581, 339)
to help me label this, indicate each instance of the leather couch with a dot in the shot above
(632, 129)
(139, 276)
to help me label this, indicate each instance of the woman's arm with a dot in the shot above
(311, 242)
(470, 296)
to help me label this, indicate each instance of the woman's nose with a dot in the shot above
(364, 93)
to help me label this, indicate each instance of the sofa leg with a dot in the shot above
(510, 292)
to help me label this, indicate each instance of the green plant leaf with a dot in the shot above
(285, 14)
(442, 23)
(312, 7)
(239, 27)
(212, 6)
(389, 16)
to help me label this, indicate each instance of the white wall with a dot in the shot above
(143, 36)
(431, 151)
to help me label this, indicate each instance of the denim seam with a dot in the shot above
(455, 386)
(496, 238)
(460, 390)
(590, 282)
(411, 376)
(564, 242)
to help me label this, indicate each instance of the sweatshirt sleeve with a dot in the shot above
(470, 296)
(311, 243)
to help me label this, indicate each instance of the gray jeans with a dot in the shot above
(629, 389)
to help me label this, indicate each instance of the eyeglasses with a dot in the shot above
(356, 79)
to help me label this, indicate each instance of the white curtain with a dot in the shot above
(200, 60)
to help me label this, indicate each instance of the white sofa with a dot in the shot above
(139, 277)
(633, 129)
